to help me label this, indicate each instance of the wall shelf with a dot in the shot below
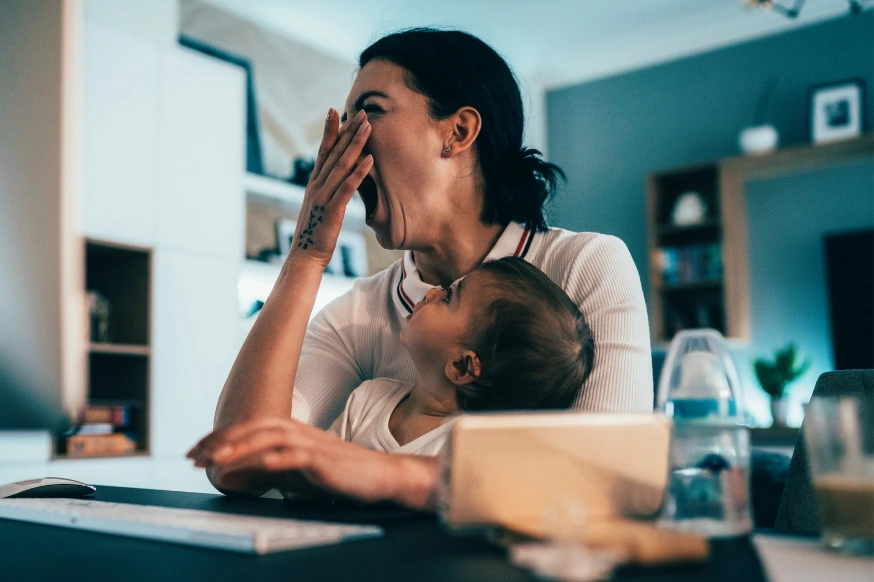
(288, 197)
(119, 349)
(691, 286)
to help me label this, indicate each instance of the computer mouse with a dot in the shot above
(46, 487)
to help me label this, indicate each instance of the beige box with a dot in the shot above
(510, 469)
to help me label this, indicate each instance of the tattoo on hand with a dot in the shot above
(306, 237)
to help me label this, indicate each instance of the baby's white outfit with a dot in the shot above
(365, 420)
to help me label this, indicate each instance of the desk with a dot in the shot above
(415, 547)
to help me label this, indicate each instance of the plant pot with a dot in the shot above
(779, 411)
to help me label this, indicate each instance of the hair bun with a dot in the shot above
(528, 182)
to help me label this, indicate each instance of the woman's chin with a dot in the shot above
(383, 232)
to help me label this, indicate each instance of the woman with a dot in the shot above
(434, 119)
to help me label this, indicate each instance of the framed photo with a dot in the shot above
(836, 111)
(254, 158)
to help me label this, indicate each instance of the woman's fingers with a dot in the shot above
(329, 138)
(346, 190)
(348, 161)
(227, 437)
(262, 440)
(274, 460)
(345, 140)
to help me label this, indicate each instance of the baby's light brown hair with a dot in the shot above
(535, 348)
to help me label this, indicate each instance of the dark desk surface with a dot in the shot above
(415, 547)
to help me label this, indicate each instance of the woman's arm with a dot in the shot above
(603, 281)
(260, 381)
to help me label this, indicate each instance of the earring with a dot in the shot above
(448, 148)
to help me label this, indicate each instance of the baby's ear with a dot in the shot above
(464, 368)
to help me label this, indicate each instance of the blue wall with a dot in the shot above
(788, 220)
(608, 134)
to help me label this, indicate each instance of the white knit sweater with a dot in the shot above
(357, 336)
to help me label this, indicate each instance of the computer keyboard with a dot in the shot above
(223, 531)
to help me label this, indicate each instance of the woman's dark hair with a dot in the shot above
(454, 69)
(534, 346)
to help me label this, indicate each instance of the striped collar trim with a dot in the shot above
(516, 241)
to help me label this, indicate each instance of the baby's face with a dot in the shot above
(439, 323)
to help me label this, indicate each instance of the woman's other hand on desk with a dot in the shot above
(269, 452)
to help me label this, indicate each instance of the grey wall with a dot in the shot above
(608, 134)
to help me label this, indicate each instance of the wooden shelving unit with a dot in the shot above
(701, 298)
(686, 274)
(118, 365)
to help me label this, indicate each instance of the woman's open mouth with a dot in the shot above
(368, 193)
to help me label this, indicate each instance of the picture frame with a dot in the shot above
(836, 111)
(254, 157)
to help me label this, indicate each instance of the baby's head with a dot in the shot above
(506, 336)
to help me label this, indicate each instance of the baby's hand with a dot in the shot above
(338, 171)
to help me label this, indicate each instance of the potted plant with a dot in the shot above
(775, 375)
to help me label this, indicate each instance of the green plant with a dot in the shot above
(774, 375)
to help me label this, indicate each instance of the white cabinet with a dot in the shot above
(194, 345)
(121, 137)
(201, 202)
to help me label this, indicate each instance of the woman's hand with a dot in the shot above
(337, 173)
(272, 452)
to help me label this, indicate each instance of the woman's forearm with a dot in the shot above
(261, 379)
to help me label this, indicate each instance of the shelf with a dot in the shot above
(257, 279)
(711, 224)
(120, 349)
(285, 196)
(66, 457)
(785, 436)
(692, 285)
(801, 158)
(116, 402)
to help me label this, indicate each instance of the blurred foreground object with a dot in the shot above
(708, 492)
(511, 469)
(839, 433)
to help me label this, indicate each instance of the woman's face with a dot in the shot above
(402, 191)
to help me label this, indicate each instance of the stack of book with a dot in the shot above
(690, 263)
(102, 433)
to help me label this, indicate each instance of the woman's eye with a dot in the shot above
(448, 295)
(370, 108)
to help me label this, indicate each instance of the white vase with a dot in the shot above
(779, 411)
(758, 140)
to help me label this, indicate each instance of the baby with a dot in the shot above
(503, 338)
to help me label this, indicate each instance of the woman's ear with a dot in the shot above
(464, 368)
(464, 127)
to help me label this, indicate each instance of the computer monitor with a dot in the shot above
(42, 323)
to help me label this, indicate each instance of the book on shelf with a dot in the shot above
(100, 445)
(95, 428)
(689, 263)
(116, 414)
